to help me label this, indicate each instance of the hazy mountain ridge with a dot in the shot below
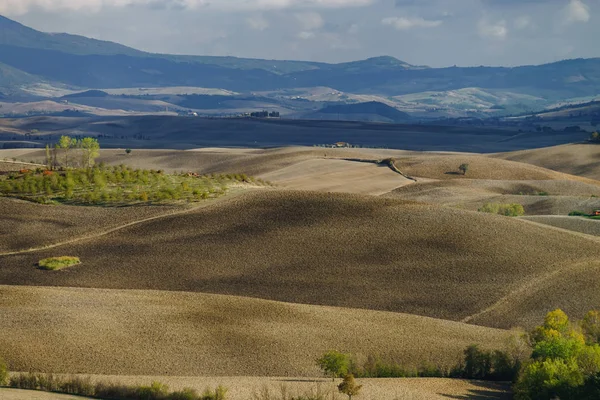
(29, 57)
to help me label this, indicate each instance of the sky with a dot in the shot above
(421, 32)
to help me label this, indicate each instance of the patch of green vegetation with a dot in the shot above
(58, 263)
(509, 210)
(118, 185)
(476, 364)
(578, 214)
(565, 362)
(109, 391)
(582, 214)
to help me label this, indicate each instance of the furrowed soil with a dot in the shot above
(576, 159)
(327, 249)
(130, 332)
(25, 225)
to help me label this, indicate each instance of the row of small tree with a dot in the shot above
(70, 152)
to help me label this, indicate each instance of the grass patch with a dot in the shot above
(116, 186)
(58, 263)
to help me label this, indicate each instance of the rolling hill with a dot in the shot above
(318, 249)
(192, 334)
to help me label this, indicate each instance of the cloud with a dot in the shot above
(257, 22)
(310, 21)
(306, 35)
(403, 23)
(522, 22)
(17, 7)
(492, 30)
(576, 11)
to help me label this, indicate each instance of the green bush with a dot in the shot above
(509, 210)
(58, 263)
(334, 363)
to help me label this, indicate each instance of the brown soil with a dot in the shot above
(328, 249)
(128, 332)
(575, 159)
(24, 225)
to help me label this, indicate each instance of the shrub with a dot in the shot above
(464, 168)
(128, 151)
(349, 387)
(58, 263)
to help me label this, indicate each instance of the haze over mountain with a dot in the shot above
(30, 57)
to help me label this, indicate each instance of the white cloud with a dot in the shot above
(403, 23)
(522, 22)
(310, 21)
(17, 7)
(306, 35)
(492, 30)
(576, 11)
(257, 22)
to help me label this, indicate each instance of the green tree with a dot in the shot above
(349, 387)
(66, 143)
(128, 151)
(464, 168)
(334, 363)
(91, 150)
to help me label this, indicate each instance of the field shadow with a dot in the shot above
(309, 380)
(487, 391)
(453, 173)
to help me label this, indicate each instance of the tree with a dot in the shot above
(48, 158)
(349, 386)
(128, 151)
(66, 143)
(334, 363)
(91, 150)
(463, 168)
(595, 137)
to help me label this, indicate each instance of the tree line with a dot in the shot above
(70, 152)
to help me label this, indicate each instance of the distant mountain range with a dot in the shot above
(29, 57)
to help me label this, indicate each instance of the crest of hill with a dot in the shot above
(576, 159)
(13, 33)
(313, 248)
(86, 94)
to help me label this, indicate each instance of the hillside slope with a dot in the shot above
(327, 249)
(576, 159)
(191, 334)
